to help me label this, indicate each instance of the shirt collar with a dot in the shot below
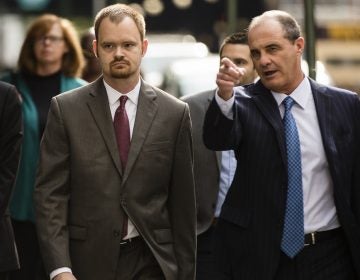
(114, 95)
(300, 95)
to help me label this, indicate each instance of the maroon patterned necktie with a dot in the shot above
(122, 131)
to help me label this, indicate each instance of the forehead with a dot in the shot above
(55, 29)
(47, 28)
(236, 50)
(118, 30)
(266, 32)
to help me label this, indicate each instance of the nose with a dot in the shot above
(119, 52)
(45, 40)
(264, 59)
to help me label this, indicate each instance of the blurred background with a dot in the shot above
(185, 35)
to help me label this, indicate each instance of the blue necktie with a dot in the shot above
(293, 232)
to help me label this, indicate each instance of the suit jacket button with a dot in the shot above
(116, 233)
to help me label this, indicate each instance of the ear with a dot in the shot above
(145, 44)
(300, 44)
(95, 50)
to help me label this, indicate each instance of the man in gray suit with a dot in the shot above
(10, 143)
(107, 208)
(293, 209)
(214, 171)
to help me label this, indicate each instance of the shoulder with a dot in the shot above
(333, 92)
(200, 97)
(8, 91)
(75, 94)
(162, 98)
(9, 97)
(5, 87)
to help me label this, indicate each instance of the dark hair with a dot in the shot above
(116, 13)
(292, 30)
(73, 60)
(235, 38)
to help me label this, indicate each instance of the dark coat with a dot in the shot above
(10, 144)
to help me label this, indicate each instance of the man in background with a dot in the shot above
(10, 144)
(92, 69)
(214, 171)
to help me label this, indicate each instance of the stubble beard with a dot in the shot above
(120, 74)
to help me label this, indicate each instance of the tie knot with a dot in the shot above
(123, 100)
(288, 102)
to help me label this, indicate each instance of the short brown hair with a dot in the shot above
(116, 13)
(73, 60)
(238, 38)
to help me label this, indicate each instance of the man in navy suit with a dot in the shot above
(249, 235)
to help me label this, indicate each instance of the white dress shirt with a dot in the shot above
(319, 206)
(130, 107)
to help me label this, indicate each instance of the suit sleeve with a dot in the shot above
(219, 132)
(182, 201)
(356, 172)
(10, 142)
(51, 193)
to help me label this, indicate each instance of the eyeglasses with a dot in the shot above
(51, 39)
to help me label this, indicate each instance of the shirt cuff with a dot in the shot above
(226, 105)
(58, 271)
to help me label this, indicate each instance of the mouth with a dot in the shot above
(46, 52)
(119, 62)
(269, 74)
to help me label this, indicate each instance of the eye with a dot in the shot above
(272, 48)
(239, 61)
(107, 46)
(129, 45)
(255, 54)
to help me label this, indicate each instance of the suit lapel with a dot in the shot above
(324, 111)
(145, 114)
(99, 107)
(269, 108)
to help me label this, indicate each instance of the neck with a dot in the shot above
(122, 85)
(48, 69)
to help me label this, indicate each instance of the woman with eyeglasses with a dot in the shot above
(50, 62)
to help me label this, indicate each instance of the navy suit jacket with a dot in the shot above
(255, 204)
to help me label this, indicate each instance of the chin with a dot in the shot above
(272, 85)
(121, 75)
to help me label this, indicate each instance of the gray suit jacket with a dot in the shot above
(10, 144)
(82, 194)
(206, 162)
